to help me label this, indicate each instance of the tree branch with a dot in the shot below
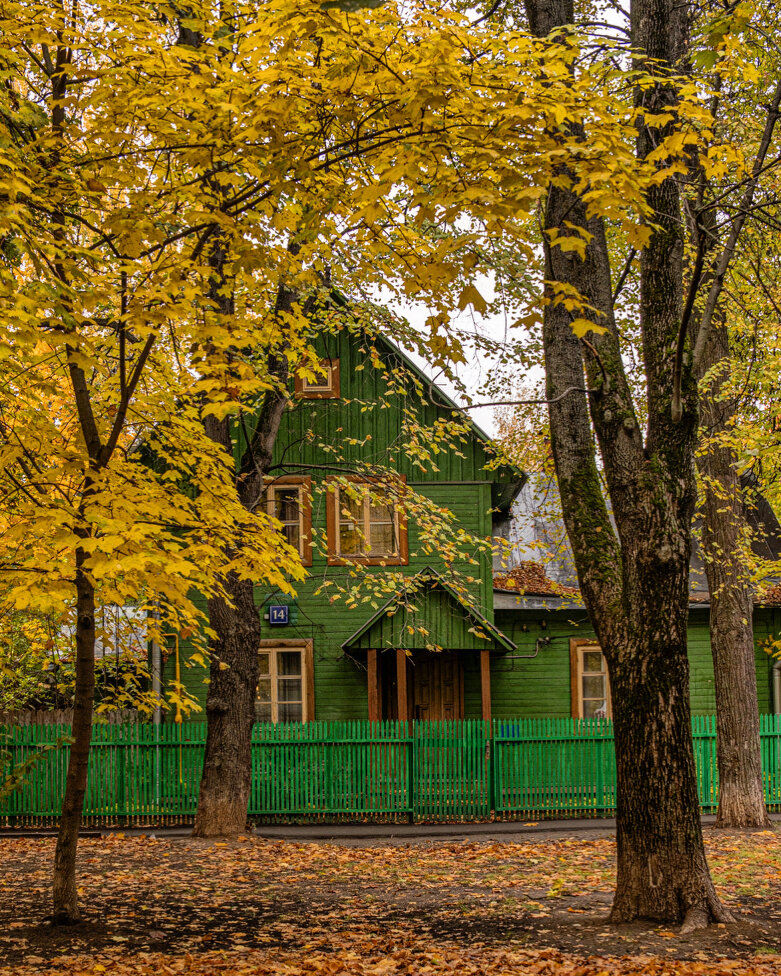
(729, 248)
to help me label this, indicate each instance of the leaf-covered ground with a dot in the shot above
(261, 906)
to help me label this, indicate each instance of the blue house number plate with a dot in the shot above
(278, 614)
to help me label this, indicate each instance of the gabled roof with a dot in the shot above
(509, 478)
(433, 623)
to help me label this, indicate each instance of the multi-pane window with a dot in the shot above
(289, 502)
(591, 691)
(324, 385)
(365, 528)
(281, 686)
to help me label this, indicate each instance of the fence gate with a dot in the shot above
(451, 770)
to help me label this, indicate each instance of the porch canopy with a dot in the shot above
(427, 616)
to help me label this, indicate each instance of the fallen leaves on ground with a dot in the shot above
(392, 960)
(161, 906)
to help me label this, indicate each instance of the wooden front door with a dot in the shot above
(437, 685)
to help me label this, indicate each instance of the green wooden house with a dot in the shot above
(371, 657)
(506, 650)
(558, 670)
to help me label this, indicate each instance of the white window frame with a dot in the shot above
(304, 648)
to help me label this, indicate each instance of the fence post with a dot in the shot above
(412, 766)
(490, 771)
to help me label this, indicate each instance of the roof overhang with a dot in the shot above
(429, 578)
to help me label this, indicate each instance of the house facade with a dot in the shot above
(357, 640)
(386, 627)
(537, 605)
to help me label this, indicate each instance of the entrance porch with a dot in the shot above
(418, 648)
(423, 685)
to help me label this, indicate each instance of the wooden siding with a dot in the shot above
(374, 421)
(340, 681)
(539, 687)
(366, 414)
(432, 610)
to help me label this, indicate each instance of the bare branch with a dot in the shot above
(717, 283)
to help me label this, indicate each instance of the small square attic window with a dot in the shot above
(323, 386)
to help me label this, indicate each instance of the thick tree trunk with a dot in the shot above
(230, 714)
(65, 900)
(635, 584)
(662, 870)
(739, 757)
(230, 701)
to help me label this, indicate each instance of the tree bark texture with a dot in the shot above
(635, 582)
(738, 751)
(230, 702)
(65, 900)
(230, 713)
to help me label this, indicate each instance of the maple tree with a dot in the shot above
(740, 81)
(131, 157)
(379, 181)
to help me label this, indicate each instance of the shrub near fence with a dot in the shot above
(422, 771)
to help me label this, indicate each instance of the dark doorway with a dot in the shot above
(435, 686)
(438, 686)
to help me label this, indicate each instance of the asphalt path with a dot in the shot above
(367, 835)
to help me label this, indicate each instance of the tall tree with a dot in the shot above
(371, 186)
(635, 580)
(97, 299)
(715, 237)
(731, 588)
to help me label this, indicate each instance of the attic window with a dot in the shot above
(323, 386)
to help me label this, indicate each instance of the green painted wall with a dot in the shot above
(310, 434)
(540, 687)
(314, 434)
(520, 687)
(367, 424)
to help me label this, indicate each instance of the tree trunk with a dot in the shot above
(738, 751)
(635, 582)
(662, 870)
(65, 900)
(230, 714)
(230, 701)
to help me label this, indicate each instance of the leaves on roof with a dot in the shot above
(530, 577)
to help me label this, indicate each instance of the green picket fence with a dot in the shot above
(421, 771)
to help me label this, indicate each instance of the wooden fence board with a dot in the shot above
(424, 771)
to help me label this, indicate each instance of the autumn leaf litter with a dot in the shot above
(262, 906)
